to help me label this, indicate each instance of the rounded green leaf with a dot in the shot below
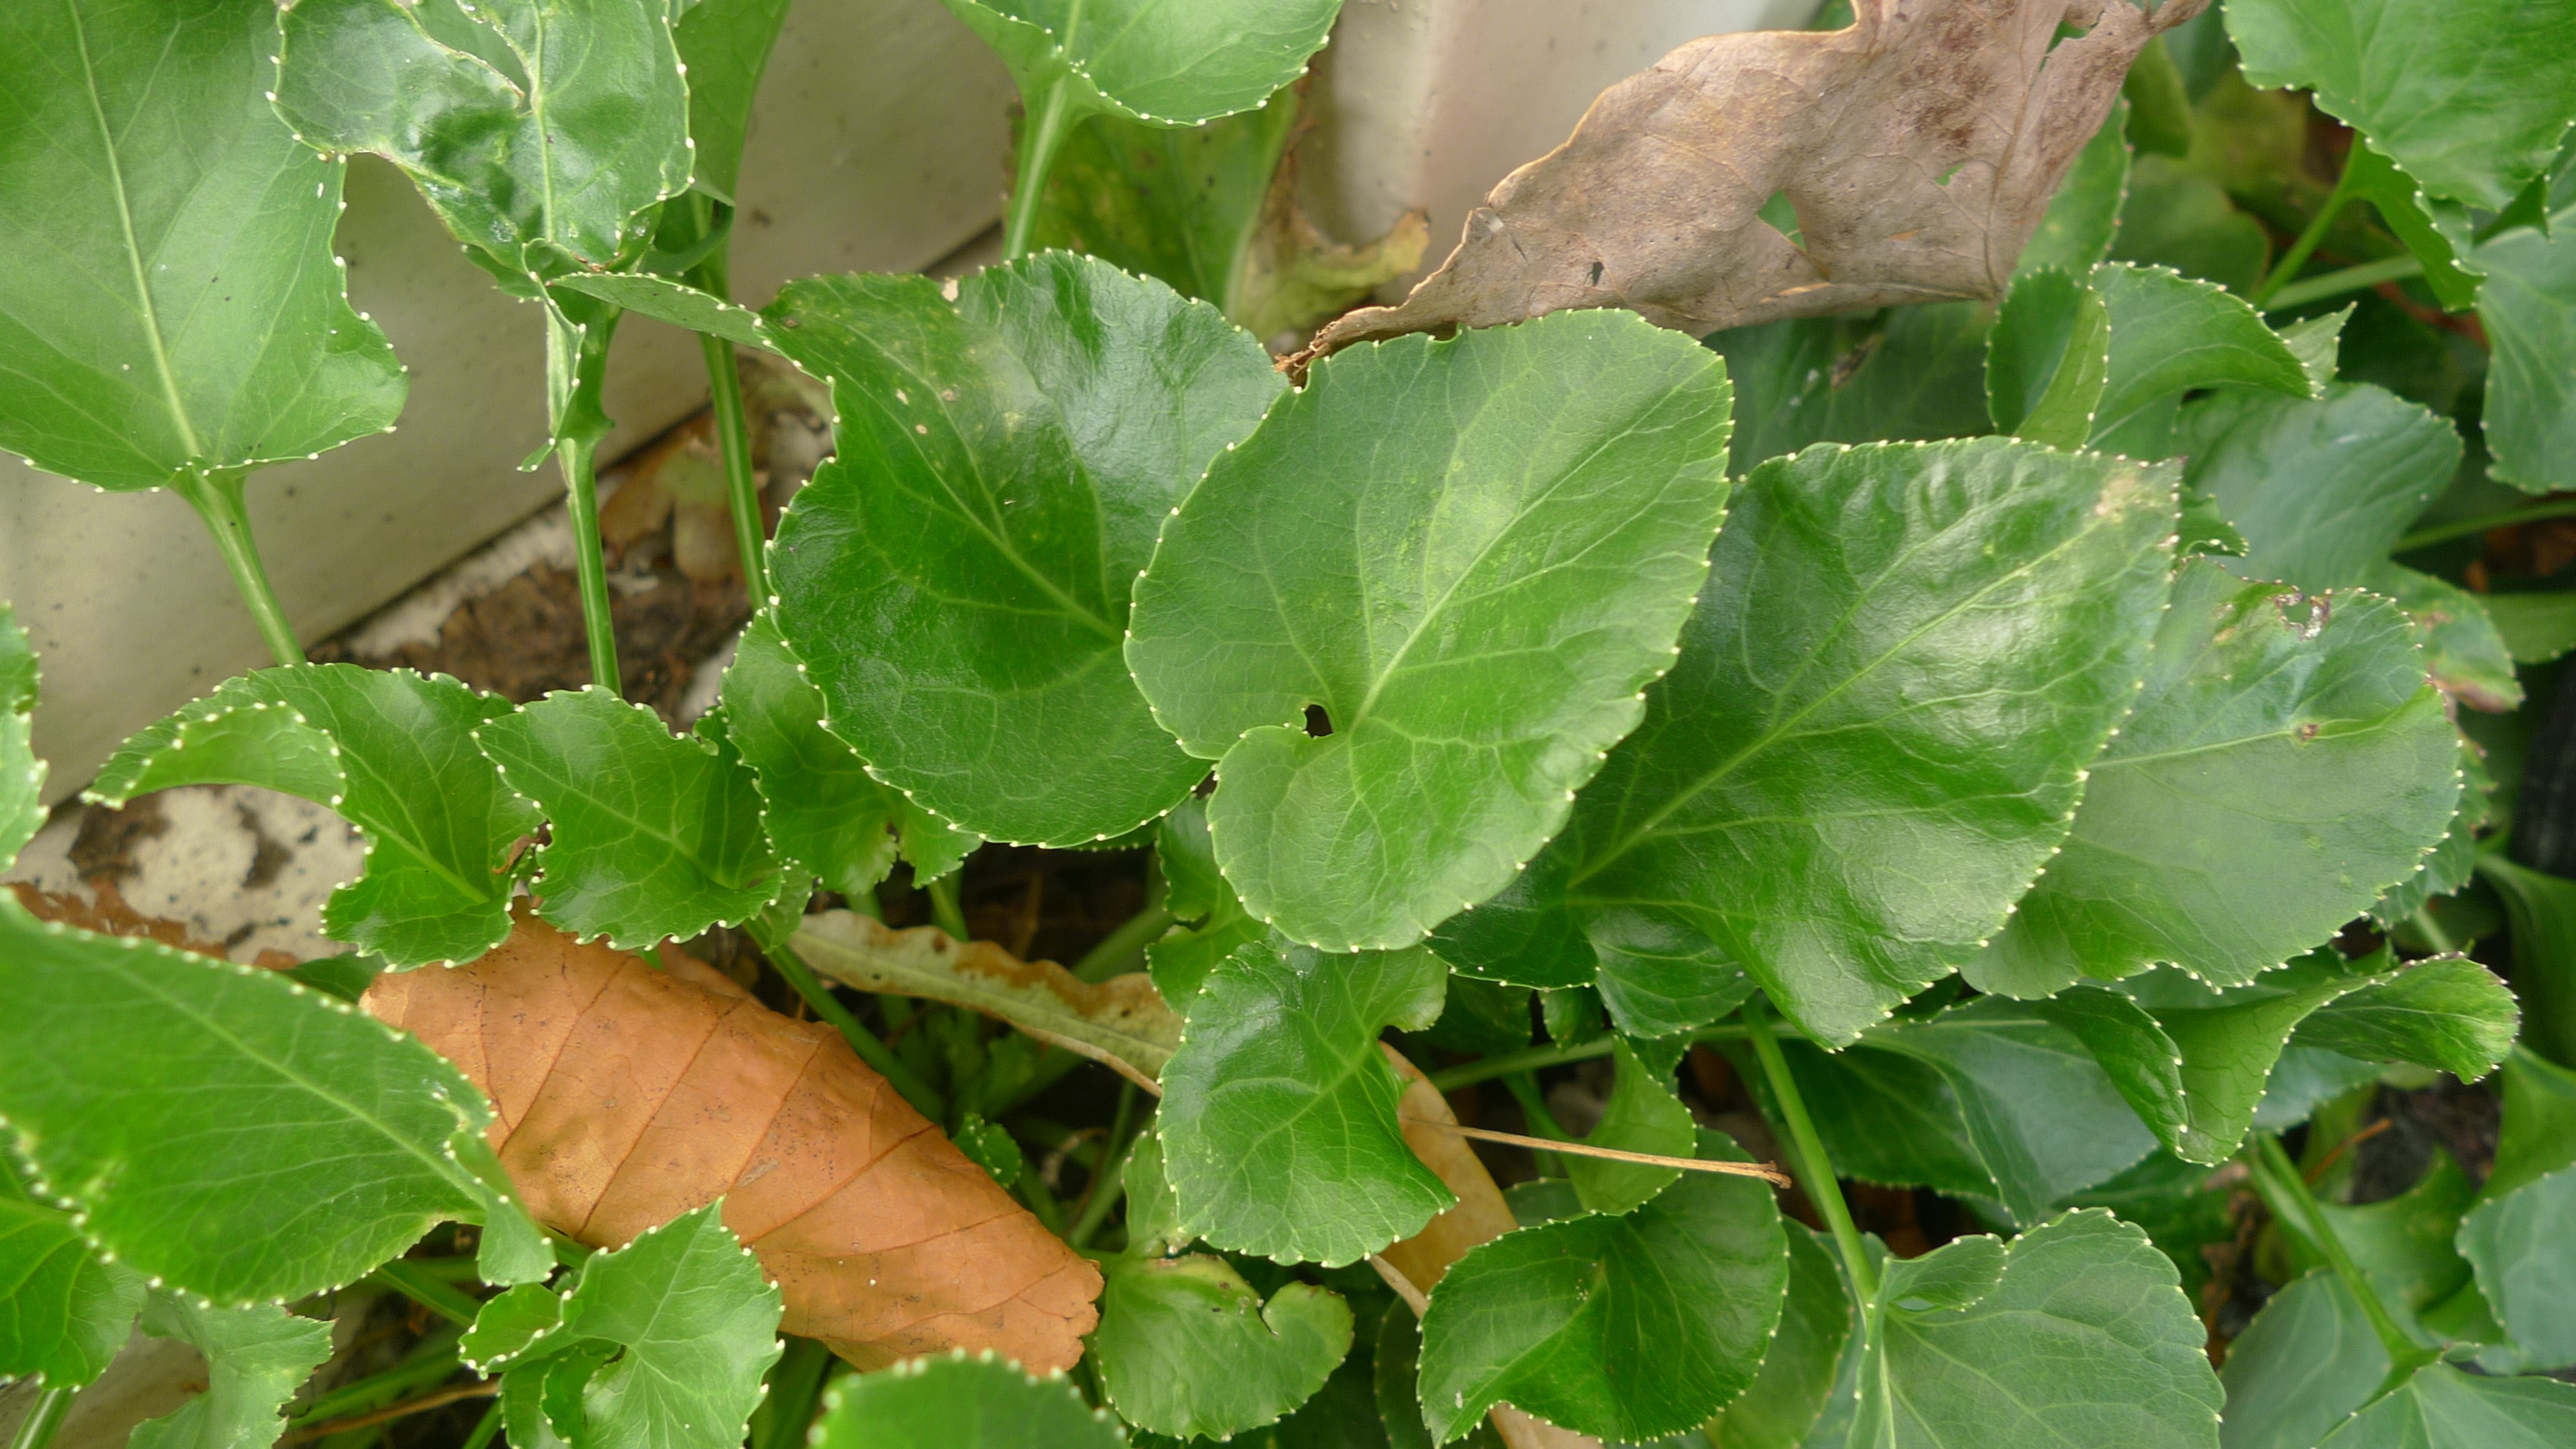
(2442, 1407)
(67, 1310)
(2286, 763)
(1187, 1348)
(2319, 489)
(1625, 1328)
(2529, 308)
(696, 1321)
(1278, 1119)
(171, 303)
(1464, 559)
(1875, 734)
(376, 745)
(2307, 1360)
(960, 1403)
(1797, 1375)
(2516, 1244)
(1175, 65)
(2171, 333)
(956, 580)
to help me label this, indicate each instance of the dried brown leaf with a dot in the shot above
(1919, 147)
(624, 1096)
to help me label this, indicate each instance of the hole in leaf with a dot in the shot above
(1782, 216)
(1318, 723)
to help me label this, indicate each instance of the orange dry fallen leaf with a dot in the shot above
(624, 1096)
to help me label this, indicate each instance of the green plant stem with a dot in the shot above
(485, 1429)
(2306, 245)
(1523, 1085)
(946, 910)
(2432, 931)
(43, 1417)
(1042, 133)
(432, 1363)
(2279, 1177)
(2471, 527)
(800, 977)
(576, 370)
(794, 1385)
(429, 1290)
(2350, 279)
(1121, 946)
(217, 497)
(1530, 1059)
(1109, 1179)
(733, 433)
(579, 459)
(1815, 1171)
(1041, 1203)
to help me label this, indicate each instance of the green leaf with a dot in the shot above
(2455, 860)
(1177, 204)
(2076, 232)
(1885, 1118)
(2536, 628)
(2286, 763)
(1182, 960)
(2170, 334)
(2471, 97)
(1842, 785)
(1644, 1115)
(2448, 1012)
(724, 46)
(1797, 1374)
(2404, 1244)
(22, 775)
(2306, 1362)
(1469, 556)
(1905, 372)
(652, 837)
(2183, 1206)
(2516, 1244)
(2408, 212)
(2177, 217)
(2081, 1339)
(510, 1325)
(2320, 489)
(1022, 444)
(824, 812)
(2529, 308)
(677, 303)
(171, 307)
(256, 1357)
(1187, 1348)
(2318, 344)
(697, 1321)
(2047, 358)
(64, 1311)
(2542, 911)
(2538, 1135)
(1625, 1328)
(959, 1403)
(991, 1147)
(2462, 650)
(2442, 1407)
(260, 1141)
(1398, 1357)
(2043, 1117)
(1176, 66)
(375, 745)
(540, 131)
(1279, 1072)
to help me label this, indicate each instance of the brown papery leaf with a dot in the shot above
(1919, 148)
(624, 1096)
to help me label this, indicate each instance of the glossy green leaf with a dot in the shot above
(2308, 1360)
(2471, 97)
(1624, 1328)
(2178, 217)
(540, 131)
(2183, 1206)
(651, 837)
(509, 1325)
(64, 1311)
(1644, 1115)
(2465, 655)
(2047, 359)
(2536, 628)
(824, 812)
(2320, 489)
(2407, 211)
(2516, 1244)
(2082, 1338)
(1397, 1357)
(2455, 860)
(391, 750)
(1175, 203)
(696, 1321)
(1885, 1118)
(1278, 1119)
(1176, 66)
(677, 303)
(1906, 372)
(22, 775)
(990, 1146)
(260, 1141)
(2077, 230)
(2285, 764)
(171, 306)
(1844, 782)
(1469, 556)
(956, 580)
(1187, 1348)
(724, 46)
(2449, 1012)
(959, 1403)
(256, 1356)
(2528, 305)
(2170, 333)
(2043, 1117)
(2442, 1407)
(1797, 1373)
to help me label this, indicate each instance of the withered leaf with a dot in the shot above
(624, 1096)
(1919, 148)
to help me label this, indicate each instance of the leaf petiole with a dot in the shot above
(947, 911)
(924, 1098)
(2349, 279)
(216, 494)
(733, 431)
(2286, 1192)
(576, 371)
(2487, 522)
(2306, 245)
(429, 1289)
(1120, 947)
(1530, 1059)
(1042, 135)
(44, 1416)
(1814, 1169)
